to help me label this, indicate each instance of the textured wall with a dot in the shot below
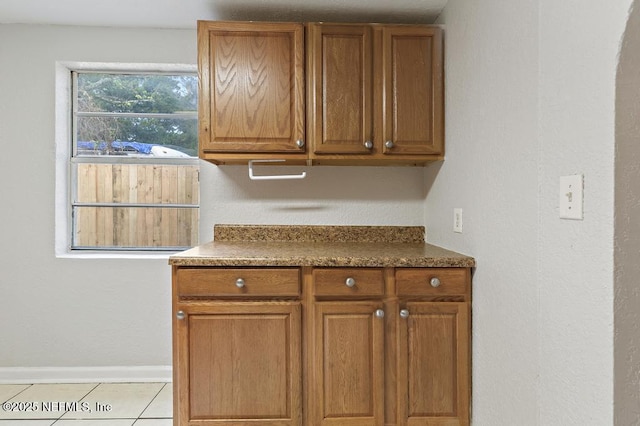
(491, 172)
(184, 14)
(58, 312)
(531, 97)
(627, 228)
(577, 115)
(328, 195)
(69, 312)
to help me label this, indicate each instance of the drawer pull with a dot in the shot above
(239, 283)
(404, 313)
(350, 282)
(379, 313)
(435, 282)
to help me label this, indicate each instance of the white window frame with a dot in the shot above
(63, 151)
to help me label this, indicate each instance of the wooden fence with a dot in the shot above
(136, 226)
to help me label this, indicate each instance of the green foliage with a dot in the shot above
(139, 94)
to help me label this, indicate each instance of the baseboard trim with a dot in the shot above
(124, 374)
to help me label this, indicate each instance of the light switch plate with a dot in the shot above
(571, 197)
(457, 220)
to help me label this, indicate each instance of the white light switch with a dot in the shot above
(571, 194)
(457, 220)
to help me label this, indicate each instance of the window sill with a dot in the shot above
(88, 254)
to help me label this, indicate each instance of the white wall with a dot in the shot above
(107, 312)
(534, 82)
(577, 135)
(627, 228)
(530, 97)
(328, 195)
(490, 171)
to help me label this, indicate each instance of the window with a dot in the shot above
(133, 161)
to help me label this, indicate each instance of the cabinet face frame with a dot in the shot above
(385, 108)
(390, 351)
(275, 54)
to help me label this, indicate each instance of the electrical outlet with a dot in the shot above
(571, 196)
(457, 220)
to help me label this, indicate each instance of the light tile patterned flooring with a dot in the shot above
(87, 404)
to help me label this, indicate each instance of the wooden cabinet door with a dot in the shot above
(348, 364)
(239, 363)
(340, 88)
(433, 364)
(251, 87)
(412, 75)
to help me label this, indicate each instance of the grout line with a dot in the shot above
(81, 399)
(135, 419)
(150, 402)
(11, 397)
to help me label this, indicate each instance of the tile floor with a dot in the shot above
(87, 404)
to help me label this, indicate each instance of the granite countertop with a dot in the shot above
(292, 245)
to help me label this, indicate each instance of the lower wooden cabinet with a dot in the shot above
(345, 347)
(348, 364)
(433, 364)
(238, 363)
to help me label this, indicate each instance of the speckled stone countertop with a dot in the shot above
(335, 246)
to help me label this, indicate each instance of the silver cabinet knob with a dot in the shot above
(350, 282)
(389, 144)
(379, 313)
(300, 143)
(404, 313)
(180, 315)
(368, 144)
(239, 283)
(435, 282)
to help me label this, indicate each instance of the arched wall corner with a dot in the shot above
(627, 226)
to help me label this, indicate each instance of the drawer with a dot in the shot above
(230, 282)
(432, 281)
(355, 282)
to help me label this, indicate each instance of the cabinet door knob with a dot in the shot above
(368, 144)
(389, 144)
(435, 282)
(350, 282)
(180, 315)
(379, 313)
(404, 313)
(300, 143)
(239, 283)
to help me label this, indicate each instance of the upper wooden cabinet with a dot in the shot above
(412, 81)
(251, 91)
(340, 88)
(374, 93)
